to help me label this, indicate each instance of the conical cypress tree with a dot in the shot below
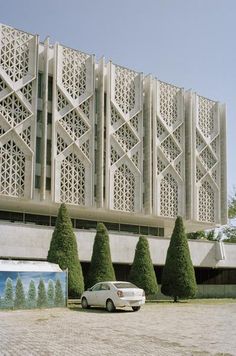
(101, 268)
(178, 278)
(59, 297)
(142, 271)
(63, 251)
(42, 296)
(31, 300)
(50, 293)
(19, 301)
(8, 294)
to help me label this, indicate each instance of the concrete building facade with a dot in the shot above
(113, 144)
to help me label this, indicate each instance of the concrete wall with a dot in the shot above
(32, 242)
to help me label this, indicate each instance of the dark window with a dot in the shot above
(129, 228)
(144, 230)
(49, 118)
(49, 144)
(48, 183)
(112, 226)
(39, 116)
(11, 216)
(37, 182)
(40, 85)
(53, 220)
(38, 219)
(161, 231)
(38, 150)
(85, 224)
(50, 82)
(153, 231)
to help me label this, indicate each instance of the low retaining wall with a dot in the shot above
(208, 291)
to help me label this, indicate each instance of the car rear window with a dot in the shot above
(124, 285)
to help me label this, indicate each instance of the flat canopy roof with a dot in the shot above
(28, 266)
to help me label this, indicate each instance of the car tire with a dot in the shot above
(110, 306)
(84, 303)
(136, 308)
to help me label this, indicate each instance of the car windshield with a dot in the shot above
(124, 285)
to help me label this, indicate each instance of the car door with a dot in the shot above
(92, 294)
(103, 294)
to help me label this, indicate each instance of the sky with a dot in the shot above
(188, 43)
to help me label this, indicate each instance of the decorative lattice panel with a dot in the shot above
(125, 88)
(74, 72)
(74, 127)
(124, 135)
(12, 170)
(169, 150)
(206, 203)
(168, 103)
(72, 180)
(207, 159)
(124, 189)
(17, 111)
(14, 52)
(169, 196)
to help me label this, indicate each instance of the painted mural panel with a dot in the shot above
(27, 290)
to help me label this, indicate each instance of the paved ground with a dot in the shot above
(161, 329)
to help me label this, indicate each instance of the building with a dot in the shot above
(115, 145)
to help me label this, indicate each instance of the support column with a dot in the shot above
(147, 145)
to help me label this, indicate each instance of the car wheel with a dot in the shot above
(84, 303)
(136, 308)
(110, 306)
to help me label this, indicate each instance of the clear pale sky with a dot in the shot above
(189, 43)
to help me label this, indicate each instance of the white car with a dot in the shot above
(113, 294)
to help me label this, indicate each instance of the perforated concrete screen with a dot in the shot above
(105, 139)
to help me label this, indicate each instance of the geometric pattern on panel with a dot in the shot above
(17, 109)
(168, 196)
(12, 170)
(124, 189)
(168, 103)
(125, 139)
(74, 72)
(207, 159)
(74, 125)
(169, 148)
(72, 180)
(205, 115)
(125, 88)
(206, 203)
(74, 122)
(13, 110)
(14, 52)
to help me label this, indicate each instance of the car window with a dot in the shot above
(124, 285)
(96, 287)
(105, 287)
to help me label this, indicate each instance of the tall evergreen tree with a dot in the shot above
(8, 294)
(63, 251)
(19, 301)
(142, 271)
(178, 278)
(42, 296)
(31, 299)
(101, 268)
(59, 296)
(50, 293)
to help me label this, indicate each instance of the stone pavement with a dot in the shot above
(162, 329)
